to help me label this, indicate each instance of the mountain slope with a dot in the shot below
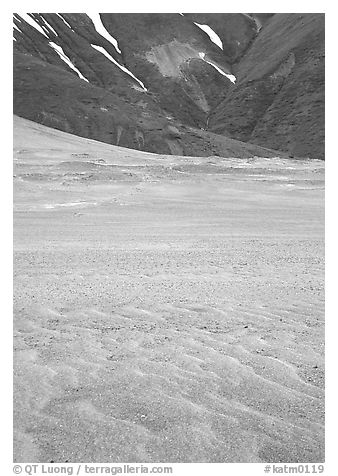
(158, 82)
(162, 51)
(278, 100)
(63, 81)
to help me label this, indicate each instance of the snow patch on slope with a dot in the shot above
(99, 27)
(64, 21)
(212, 35)
(65, 58)
(231, 77)
(14, 26)
(123, 68)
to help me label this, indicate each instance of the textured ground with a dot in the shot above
(166, 309)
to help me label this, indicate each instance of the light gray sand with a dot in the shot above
(166, 309)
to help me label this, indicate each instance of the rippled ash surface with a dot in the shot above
(166, 309)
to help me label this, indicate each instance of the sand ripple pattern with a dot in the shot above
(167, 309)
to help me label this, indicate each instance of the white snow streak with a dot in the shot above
(123, 68)
(212, 35)
(14, 26)
(99, 27)
(65, 58)
(64, 21)
(231, 77)
(49, 27)
(33, 23)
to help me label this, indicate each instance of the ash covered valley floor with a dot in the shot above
(167, 309)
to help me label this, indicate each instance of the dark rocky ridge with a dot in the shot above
(189, 107)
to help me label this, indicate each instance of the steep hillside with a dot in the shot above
(175, 83)
(47, 91)
(52, 96)
(162, 52)
(171, 53)
(278, 100)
